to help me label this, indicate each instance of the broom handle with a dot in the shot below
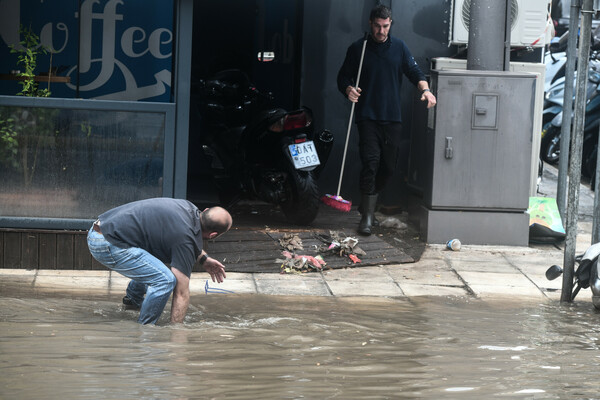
(362, 56)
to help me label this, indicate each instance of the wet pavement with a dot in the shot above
(478, 272)
(475, 271)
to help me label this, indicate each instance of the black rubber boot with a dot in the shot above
(375, 220)
(366, 222)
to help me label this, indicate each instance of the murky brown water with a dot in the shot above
(271, 347)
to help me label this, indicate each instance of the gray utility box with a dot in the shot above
(477, 156)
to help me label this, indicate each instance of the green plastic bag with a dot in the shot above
(545, 223)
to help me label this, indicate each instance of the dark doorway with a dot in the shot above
(263, 38)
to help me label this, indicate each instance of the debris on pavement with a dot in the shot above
(354, 259)
(453, 244)
(291, 242)
(293, 263)
(339, 244)
(394, 223)
(333, 243)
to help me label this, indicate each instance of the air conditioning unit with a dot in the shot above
(530, 22)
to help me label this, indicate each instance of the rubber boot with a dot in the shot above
(375, 220)
(366, 222)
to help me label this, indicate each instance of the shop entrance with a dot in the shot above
(262, 38)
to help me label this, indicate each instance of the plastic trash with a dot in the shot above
(391, 222)
(453, 244)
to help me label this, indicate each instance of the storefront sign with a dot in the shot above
(110, 49)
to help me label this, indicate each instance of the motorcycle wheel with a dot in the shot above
(302, 204)
(550, 146)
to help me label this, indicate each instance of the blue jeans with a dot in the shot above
(149, 276)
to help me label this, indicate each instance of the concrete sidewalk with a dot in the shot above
(482, 272)
(475, 271)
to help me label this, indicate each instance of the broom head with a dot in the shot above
(337, 202)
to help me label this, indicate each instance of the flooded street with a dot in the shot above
(274, 347)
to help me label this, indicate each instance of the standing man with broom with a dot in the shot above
(383, 63)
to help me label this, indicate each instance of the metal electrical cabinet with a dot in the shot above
(476, 157)
(538, 69)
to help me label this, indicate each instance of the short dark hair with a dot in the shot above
(211, 224)
(380, 11)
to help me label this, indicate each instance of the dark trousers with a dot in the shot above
(378, 147)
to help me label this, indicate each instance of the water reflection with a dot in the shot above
(248, 347)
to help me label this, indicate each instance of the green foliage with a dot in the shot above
(86, 128)
(9, 146)
(27, 57)
(23, 132)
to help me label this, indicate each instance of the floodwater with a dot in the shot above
(271, 347)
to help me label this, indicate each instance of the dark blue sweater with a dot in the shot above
(381, 77)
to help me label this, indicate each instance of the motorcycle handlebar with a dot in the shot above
(215, 87)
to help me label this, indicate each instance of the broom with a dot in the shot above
(337, 201)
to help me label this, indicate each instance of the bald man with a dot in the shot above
(155, 243)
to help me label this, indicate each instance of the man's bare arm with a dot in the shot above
(181, 296)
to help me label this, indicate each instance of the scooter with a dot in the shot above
(553, 112)
(555, 68)
(258, 151)
(555, 61)
(586, 274)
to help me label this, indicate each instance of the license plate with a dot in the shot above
(304, 154)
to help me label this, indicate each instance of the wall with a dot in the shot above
(41, 249)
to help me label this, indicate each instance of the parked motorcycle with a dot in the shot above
(586, 274)
(555, 61)
(556, 64)
(552, 120)
(258, 151)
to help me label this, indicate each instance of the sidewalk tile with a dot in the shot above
(487, 291)
(371, 274)
(481, 253)
(237, 286)
(296, 285)
(542, 282)
(17, 272)
(414, 290)
(118, 283)
(20, 277)
(429, 263)
(496, 279)
(584, 240)
(433, 252)
(343, 288)
(104, 274)
(492, 265)
(536, 262)
(75, 283)
(554, 295)
(424, 276)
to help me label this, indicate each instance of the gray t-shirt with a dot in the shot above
(169, 229)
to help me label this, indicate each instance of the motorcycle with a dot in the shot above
(555, 68)
(553, 112)
(257, 151)
(586, 274)
(555, 61)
